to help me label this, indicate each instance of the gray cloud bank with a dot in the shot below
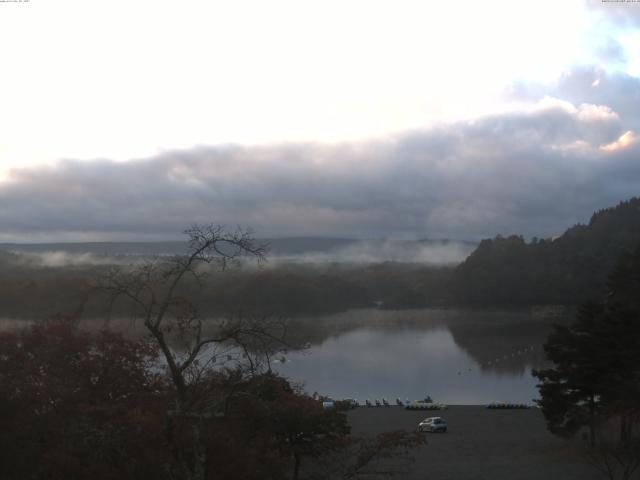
(534, 173)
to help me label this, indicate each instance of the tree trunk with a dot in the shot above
(625, 430)
(199, 452)
(592, 422)
(296, 466)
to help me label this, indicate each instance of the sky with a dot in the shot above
(401, 119)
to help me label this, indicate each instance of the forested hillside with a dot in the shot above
(568, 269)
(34, 291)
(503, 271)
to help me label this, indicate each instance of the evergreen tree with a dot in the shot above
(596, 372)
(571, 391)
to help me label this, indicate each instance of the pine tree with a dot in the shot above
(596, 372)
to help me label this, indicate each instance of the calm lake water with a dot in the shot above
(456, 357)
(459, 357)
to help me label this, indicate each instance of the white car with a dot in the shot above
(433, 424)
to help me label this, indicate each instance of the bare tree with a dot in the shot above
(616, 450)
(156, 297)
(614, 460)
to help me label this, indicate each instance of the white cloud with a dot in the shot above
(625, 140)
(122, 80)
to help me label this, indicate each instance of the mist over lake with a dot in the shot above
(455, 356)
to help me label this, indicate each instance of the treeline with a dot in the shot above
(29, 290)
(37, 292)
(569, 269)
(300, 289)
(504, 271)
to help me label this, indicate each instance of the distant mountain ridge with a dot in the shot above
(569, 269)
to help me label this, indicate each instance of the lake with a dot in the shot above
(454, 356)
(458, 357)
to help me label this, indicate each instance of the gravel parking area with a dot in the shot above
(481, 444)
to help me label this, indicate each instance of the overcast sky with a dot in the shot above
(129, 120)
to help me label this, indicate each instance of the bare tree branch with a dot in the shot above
(152, 290)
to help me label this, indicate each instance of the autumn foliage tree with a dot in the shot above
(75, 404)
(274, 431)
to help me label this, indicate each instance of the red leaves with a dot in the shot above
(75, 404)
(56, 363)
(70, 397)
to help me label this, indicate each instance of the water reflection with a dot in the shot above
(456, 357)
